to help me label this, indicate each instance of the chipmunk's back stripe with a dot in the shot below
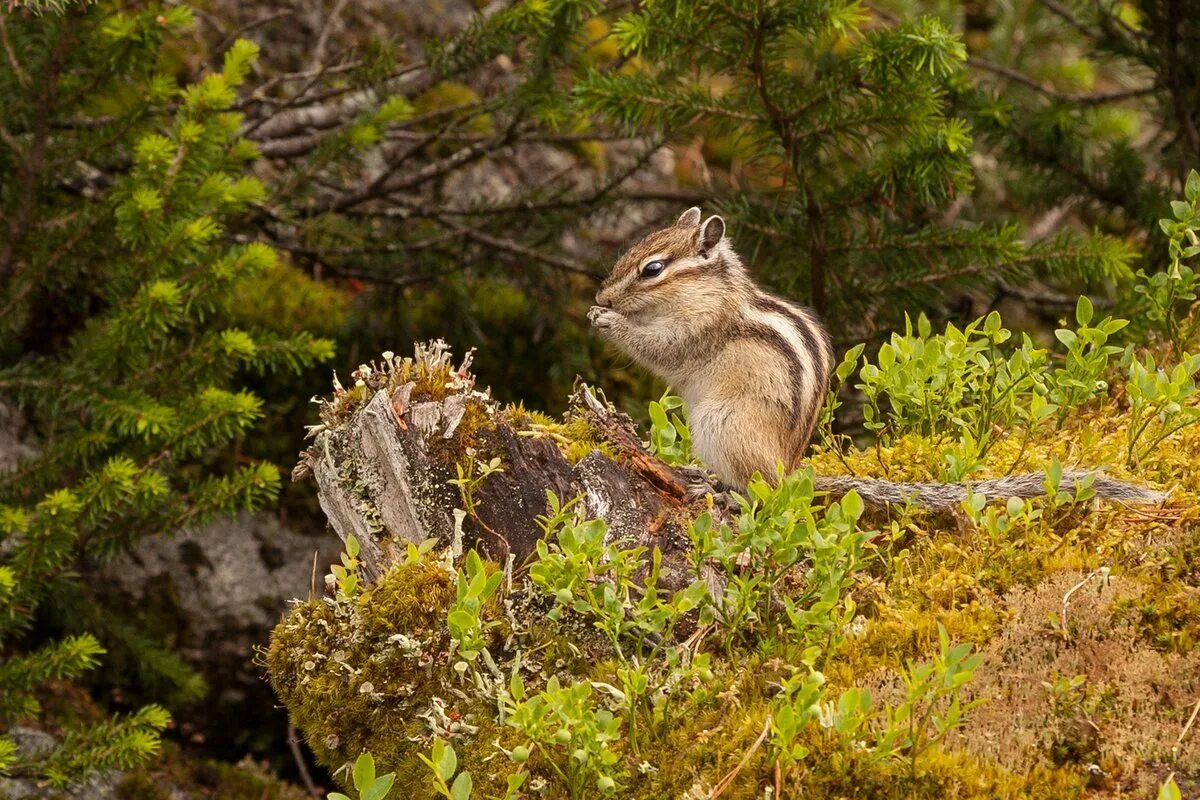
(816, 340)
(768, 335)
(815, 354)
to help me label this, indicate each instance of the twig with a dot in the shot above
(294, 743)
(323, 38)
(22, 76)
(727, 781)
(1066, 14)
(516, 248)
(1096, 98)
(617, 430)
(1186, 728)
(1067, 597)
(249, 26)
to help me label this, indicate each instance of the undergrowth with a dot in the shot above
(817, 648)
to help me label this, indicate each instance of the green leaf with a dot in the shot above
(1084, 310)
(461, 789)
(379, 787)
(447, 761)
(336, 796)
(1192, 189)
(364, 771)
(1170, 789)
(852, 504)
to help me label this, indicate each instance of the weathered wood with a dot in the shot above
(384, 469)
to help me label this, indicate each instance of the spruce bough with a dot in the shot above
(139, 410)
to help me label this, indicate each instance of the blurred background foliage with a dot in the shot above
(468, 171)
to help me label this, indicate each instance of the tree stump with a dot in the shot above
(389, 449)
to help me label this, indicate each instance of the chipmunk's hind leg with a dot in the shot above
(701, 482)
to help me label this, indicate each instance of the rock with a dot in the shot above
(223, 587)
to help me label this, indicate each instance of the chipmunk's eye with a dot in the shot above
(652, 268)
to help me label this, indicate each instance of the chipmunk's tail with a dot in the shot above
(876, 491)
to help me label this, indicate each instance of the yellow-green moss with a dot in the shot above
(1002, 592)
(173, 775)
(356, 674)
(575, 437)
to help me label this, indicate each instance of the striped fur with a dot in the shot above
(752, 368)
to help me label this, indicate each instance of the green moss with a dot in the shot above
(284, 300)
(359, 674)
(574, 435)
(1165, 606)
(1002, 590)
(140, 786)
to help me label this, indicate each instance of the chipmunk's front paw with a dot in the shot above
(602, 317)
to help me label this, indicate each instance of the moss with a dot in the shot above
(1130, 634)
(1165, 604)
(140, 786)
(574, 435)
(363, 673)
(285, 301)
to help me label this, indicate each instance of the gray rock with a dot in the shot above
(225, 586)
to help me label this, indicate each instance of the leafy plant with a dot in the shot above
(778, 529)
(962, 383)
(932, 706)
(465, 617)
(1166, 293)
(345, 575)
(368, 784)
(969, 386)
(1160, 403)
(443, 763)
(470, 477)
(670, 439)
(590, 575)
(1079, 377)
(570, 731)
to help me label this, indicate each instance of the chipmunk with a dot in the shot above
(752, 368)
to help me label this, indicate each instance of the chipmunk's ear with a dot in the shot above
(711, 234)
(689, 218)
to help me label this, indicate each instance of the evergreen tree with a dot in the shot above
(843, 153)
(137, 404)
(1088, 110)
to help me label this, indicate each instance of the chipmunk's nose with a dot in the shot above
(604, 298)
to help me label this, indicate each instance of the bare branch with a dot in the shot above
(1096, 98)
